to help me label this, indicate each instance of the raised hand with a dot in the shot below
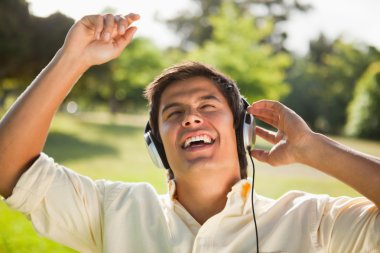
(295, 142)
(97, 39)
(92, 40)
(290, 139)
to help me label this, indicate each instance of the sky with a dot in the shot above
(354, 20)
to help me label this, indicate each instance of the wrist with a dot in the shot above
(309, 148)
(74, 62)
(63, 70)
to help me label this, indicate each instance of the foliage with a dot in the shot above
(13, 16)
(364, 109)
(132, 71)
(87, 91)
(14, 36)
(27, 43)
(324, 80)
(119, 84)
(195, 27)
(235, 49)
(241, 38)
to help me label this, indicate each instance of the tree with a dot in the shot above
(235, 49)
(14, 35)
(195, 28)
(119, 84)
(47, 36)
(364, 109)
(305, 85)
(324, 80)
(14, 46)
(27, 43)
(131, 72)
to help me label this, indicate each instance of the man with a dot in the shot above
(208, 208)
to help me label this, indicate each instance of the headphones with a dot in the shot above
(245, 135)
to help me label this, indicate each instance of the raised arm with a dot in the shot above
(92, 40)
(296, 142)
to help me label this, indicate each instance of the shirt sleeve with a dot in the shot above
(349, 225)
(61, 204)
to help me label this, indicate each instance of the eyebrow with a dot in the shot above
(202, 98)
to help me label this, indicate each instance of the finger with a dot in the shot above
(98, 21)
(264, 103)
(109, 22)
(268, 104)
(93, 23)
(121, 24)
(273, 121)
(263, 113)
(261, 155)
(124, 40)
(267, 135)
(124, 22)
(132, 17)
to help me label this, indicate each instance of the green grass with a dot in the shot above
(112, 147)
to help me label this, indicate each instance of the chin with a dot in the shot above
(205, 164)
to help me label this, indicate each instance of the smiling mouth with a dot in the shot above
(198, 141)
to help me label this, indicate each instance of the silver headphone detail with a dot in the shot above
(152, 149)
(249, 131)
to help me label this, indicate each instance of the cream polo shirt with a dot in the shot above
(117, 217)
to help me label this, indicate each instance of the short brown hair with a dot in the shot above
(188, 70)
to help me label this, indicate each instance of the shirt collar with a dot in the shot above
(172, 189)
(240, 194)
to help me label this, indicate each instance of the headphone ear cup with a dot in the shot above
(249, 131)
(155, 148)
(248, 127)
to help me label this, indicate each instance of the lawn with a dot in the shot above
(112, 147)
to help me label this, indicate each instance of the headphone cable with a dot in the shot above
(253, 208)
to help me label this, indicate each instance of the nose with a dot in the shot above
(192, 119)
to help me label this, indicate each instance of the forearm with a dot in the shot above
(358, 170)
(24, 128)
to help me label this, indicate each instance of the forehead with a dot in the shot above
(193, 87)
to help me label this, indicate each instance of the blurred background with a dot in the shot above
(321, 58)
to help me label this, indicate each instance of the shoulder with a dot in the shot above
(322, 203)
(295, 205)
(292, 200)
(120, 193)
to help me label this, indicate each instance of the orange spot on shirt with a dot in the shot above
(245, 189)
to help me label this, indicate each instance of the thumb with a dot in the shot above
(261, 155)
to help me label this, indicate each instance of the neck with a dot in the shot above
(205, 196)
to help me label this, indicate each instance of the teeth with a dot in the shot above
(204, 138)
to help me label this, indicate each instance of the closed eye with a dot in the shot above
(207, 106)
(173, 114)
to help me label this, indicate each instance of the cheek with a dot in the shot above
(167, 134)
(226, 127)
(224, 119)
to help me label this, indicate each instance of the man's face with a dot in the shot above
(196, 128)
